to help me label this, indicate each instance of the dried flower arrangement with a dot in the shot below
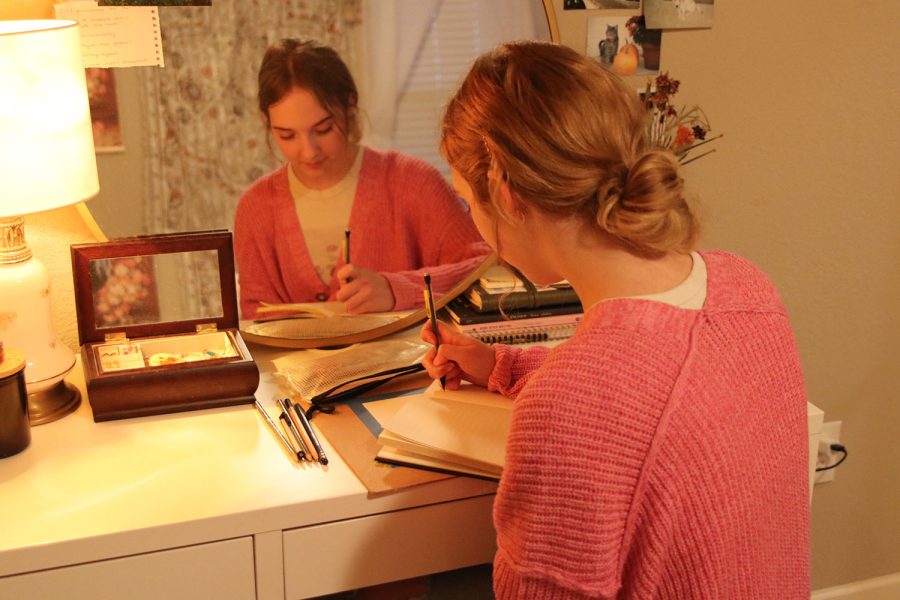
(679, 130)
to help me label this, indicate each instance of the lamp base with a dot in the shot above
(53, 403)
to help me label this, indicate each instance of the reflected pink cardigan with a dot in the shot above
(659, 453)
(405, 220)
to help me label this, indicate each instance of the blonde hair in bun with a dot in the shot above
(569, 137)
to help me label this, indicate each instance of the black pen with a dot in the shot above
(432, 316)
(275, 430)
(345, 252)
(298, 437)
(307, 426)
(346, 246)
(301, 429)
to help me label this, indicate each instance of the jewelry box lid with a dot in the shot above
(154, 285)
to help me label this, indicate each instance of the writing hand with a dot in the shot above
(460, 357)
(363, 290)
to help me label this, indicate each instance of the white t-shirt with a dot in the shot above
(690, 293)
(324, 216)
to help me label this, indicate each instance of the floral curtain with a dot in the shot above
(204, 141)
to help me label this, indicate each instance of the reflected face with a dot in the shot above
(310, 139)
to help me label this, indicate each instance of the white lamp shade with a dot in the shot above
(46, 144)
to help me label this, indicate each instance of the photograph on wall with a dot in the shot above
(154, 3)
(101, 85)
(679, 14)
(601, 4)
(624, 45)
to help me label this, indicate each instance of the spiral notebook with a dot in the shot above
(527, 335)
(518, 327)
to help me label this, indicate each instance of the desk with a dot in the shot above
(206, 504)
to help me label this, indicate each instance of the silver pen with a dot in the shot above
(275, 430)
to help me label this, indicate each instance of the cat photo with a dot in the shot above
(608, 47)
(678, 14)
(609, 40)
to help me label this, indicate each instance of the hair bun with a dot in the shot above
(610, 194)
(645, 205)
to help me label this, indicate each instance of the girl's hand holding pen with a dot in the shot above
(363, 290)
(460, 357)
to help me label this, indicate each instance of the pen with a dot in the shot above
(346, 248)
(345, 252)
(275, 429)
(294, 412)
(429, 305)
(285, 416)
(307, 426)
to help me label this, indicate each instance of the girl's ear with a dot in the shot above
(512, 204)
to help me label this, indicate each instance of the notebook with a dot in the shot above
(456, 431)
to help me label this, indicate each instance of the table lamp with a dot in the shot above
(47, 161)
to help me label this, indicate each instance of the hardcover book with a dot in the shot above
(500, 286)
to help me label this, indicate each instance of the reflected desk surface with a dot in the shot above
(84, 495)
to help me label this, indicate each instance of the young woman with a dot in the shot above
(290, 224)
(661, 452)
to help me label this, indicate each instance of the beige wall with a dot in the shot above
(806, 182)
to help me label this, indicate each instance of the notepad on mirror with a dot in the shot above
(458, 431)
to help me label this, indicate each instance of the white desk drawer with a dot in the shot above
(216, 571)
(360, 552)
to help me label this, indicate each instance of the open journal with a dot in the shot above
(314, 320)
(456, 431)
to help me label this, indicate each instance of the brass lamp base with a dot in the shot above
(53, 403)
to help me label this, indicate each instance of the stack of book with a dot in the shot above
(529, 313)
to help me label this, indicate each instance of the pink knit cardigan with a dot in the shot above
(405, 220)
(659, 453)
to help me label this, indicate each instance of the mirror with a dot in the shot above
(223, 115)
(127, 290)
(154, 285)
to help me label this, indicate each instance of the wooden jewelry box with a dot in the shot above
(157, 324)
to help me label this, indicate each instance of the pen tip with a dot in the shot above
(427, 277)
(323, 460)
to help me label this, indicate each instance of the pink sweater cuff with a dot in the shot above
(500, 379)
(406, 294)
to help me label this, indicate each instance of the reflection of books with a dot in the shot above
(462, 431)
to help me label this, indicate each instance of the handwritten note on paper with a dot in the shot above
(116, 36)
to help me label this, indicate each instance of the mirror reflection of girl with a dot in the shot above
(661, 452)
(290, 223)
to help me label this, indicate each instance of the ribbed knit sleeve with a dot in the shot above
(512, 367)
(447, 244)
